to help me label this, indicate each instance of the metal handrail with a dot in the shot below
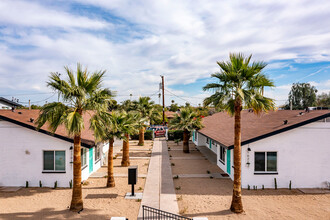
(150, 213)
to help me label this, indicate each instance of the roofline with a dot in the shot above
(45, 132)
(211, 138)
(9, 102)
(282, 130)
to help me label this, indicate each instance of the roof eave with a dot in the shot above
(84, 142)
(282, 130)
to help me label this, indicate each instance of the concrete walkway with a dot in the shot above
(209, 154)
(159, 190)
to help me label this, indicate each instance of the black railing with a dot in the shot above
(156, 214)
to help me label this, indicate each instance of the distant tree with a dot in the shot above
(126, 105)
(187, 120)
(113, 105)
(174, 107)
(302, 95)
(239, 84)
(145, 107)
(323, 100)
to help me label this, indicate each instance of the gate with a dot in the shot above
(156, 214)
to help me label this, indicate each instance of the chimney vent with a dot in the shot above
(285, 122)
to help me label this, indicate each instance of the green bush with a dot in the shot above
(175, 134)
(147, 135)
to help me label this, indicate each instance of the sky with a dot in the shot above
(137, 41)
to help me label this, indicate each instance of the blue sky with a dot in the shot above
(137, 41)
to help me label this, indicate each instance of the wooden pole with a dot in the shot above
(163, 100)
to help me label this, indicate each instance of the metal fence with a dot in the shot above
(150, 213)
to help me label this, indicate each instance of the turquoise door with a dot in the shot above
(193, 135)
(210, 144)
(228, 161)
(91, 160)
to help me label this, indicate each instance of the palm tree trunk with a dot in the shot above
(185, 141)
(141, 137)
(125, 161)
(76, 202)
(236, 204)
(111, 179)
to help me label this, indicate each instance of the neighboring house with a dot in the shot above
(7, 104)
(30, 155)
(286, 145)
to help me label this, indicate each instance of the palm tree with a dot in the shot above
(145, 107)
(187, 121)
(240, 84)
(130, 127)
(82, 92)
(107, 127)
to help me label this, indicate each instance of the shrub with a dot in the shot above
(147, 135)
(40, 184)
(27, 184)
(175, 135)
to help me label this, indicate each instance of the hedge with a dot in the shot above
(147, 135)
(175, 134)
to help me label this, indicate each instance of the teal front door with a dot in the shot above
(228, 161)
(210, 144)
(90, 160)
(193, 135)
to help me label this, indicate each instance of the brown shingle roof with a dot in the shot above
(220, 126)
(87, 137)
(170, 114)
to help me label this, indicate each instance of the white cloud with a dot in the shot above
(179, 39)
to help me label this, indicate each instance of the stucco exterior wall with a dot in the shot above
(303, 156)
(21, 157)
(4, 105)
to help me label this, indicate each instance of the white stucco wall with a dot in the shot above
(303, 156)
(21, 157)
(4, 105)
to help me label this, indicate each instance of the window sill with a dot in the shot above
(222, 162)
(84, 167)
(50, 171)
(98, 160)
(267, 173)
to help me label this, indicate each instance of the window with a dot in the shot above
(83, 157)
(207, 140)
(265, 161)
(222, 154)
(54, 161)
(97, 153)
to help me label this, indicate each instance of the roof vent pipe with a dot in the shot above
(285, 122)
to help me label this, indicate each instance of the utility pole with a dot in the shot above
(163, 100)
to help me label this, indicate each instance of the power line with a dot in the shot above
(39, 100)
(29, 94)
(180, 97)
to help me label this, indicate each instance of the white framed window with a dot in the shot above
(97, 153)
(54, 160)
(83, 157)
(207, 140)
(222, 154)
(265, 162)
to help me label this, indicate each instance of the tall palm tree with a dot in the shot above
(107, 127)
(145, 107)
(131, 127)
(187, 121)
(82, 92)
(239, 84)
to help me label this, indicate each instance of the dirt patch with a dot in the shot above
(214, 198)
(117, 168)
(136, 154)
(45, 203)
(194, 167)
